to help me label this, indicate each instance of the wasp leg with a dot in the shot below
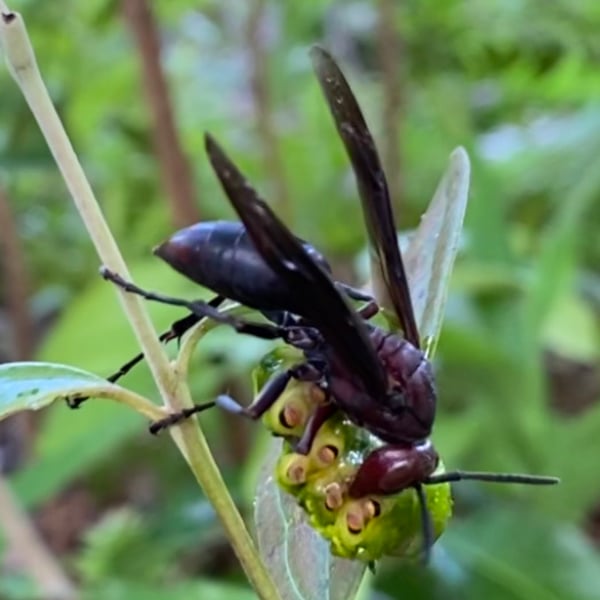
(353, 292)
(263, 402)
(317, 418)
(201, 309)
(368, 310)
(426, 524)
(178, 328)
(175, 332)
(270, 392)
(267, 397)
(157, 426)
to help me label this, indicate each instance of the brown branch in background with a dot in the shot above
(15, 275)
(390, 53)
(174, 166)
(27, 551)
(259, 84)
(16, 433)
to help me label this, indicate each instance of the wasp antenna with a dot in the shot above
(492, 477)
(426, 524)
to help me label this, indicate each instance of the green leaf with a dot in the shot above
(35, 385)
(115, 589)
(431, 253)
(551, 562)
(90, 435)
(298, 557)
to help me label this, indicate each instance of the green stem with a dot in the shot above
(188, 436)
(124, 396)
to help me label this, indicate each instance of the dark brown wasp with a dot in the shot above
(381, 381)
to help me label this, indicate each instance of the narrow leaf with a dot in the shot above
(298, 557)
(35, 385)
(432, 250)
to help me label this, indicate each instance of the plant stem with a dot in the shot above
(23, 67)
(175, 393)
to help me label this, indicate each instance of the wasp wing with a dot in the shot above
(372, 186)
(315, 296)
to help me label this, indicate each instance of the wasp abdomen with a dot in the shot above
(411, 374)
(220, 255)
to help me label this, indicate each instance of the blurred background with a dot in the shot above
(137, 83)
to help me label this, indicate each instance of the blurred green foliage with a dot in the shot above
(516, 83)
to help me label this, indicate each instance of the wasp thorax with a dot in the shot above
(396, 399)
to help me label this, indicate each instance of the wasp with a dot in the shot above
(381, 381)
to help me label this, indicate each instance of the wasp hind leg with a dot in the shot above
(201, 309)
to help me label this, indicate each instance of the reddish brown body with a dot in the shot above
(406, 414)
(391, 469)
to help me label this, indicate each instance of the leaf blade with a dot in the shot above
(432, 251)
(36, 385)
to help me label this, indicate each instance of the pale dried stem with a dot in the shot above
(175, 393)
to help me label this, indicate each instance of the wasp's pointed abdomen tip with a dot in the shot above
(175, 250)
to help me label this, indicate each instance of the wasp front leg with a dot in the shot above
(292, 416)
(289, 417)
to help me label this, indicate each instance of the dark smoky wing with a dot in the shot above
(315, 296)
(372, 186)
